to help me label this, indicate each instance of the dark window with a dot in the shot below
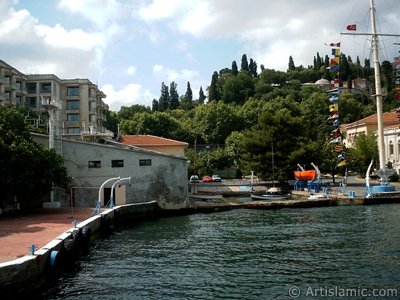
(72, 117)
(144, 162)
(45, 87)
(117, 163)
(73, 91)
(31, 101)
(73, 130)
(31, 87)
(73, 104)
(94, 164)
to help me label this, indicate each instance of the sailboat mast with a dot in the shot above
(378, 92)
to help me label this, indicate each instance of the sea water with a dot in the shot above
(335, 252)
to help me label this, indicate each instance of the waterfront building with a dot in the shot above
(81, 112)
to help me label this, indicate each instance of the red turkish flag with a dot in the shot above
(351, 27)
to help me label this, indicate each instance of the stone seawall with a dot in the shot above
(30, 272)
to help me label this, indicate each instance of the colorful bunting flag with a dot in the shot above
(334, 44)
(351, 27)
(333, 116)
(333, 107)
(334, 98)
(335, 52)
(335, 133)
(339, 148)
(336, 141)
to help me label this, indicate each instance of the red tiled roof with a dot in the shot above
(149, 140)
(388, 118)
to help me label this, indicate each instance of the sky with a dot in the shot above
(129, 47)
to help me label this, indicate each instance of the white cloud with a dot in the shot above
(99, 12)
(127, 96)
(183, 75)
(131, 70)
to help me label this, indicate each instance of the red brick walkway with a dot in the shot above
(37, 227)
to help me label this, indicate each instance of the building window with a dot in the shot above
(72, 117)
(391, 148)
(31, 87)
(31, 101)
(94, 164)
(144, 162)
(117, 163)
(72, 104)
(45, 87)
(73, 130)
(73, 91)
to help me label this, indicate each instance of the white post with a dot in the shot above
(100, 191)
(112, 190)
(378, 88)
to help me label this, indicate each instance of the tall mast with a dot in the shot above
(378, 92)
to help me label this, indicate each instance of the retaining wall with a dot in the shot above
(20, 276)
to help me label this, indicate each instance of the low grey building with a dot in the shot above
(154, 175)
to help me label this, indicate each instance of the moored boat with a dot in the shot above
(305, 175)
(273, 193)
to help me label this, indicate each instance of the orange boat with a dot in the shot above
(305, 175)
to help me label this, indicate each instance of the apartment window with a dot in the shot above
(45, 87)
(144, 162)
(73, 130)
(391, 148)
(73, 91)
(73, 104)
(31, 87)
(94, 164)
(31, 101)
(117, 163)
(72, 117)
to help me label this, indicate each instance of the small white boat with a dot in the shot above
(274, 193)
(317, 196)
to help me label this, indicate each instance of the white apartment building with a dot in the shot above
(80, 112)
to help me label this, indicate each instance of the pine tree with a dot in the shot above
(202, 97)
(163, 102)
(234, 68)
(253, 68)
(173, 96)
(213, 90)
(154, 106)
(291, 65)
(244, 66)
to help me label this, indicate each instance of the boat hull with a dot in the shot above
(270, 197)
(305, 175)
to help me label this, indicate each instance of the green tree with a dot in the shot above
(213, 90)
(281, 129)
(163, 102)
(187, 99)
(253, 68)
(28, 171)
(365, 149)
(244, 66)
(154, 106)
(173, 96)
(128, 112)
(202, 97)
(234, 68)
(237, 89)
(215, 121)
(291, 66)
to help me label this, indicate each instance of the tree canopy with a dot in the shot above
(28, 170)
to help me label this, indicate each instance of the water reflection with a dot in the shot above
(242, 254)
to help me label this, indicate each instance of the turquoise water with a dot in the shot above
(245, 254)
